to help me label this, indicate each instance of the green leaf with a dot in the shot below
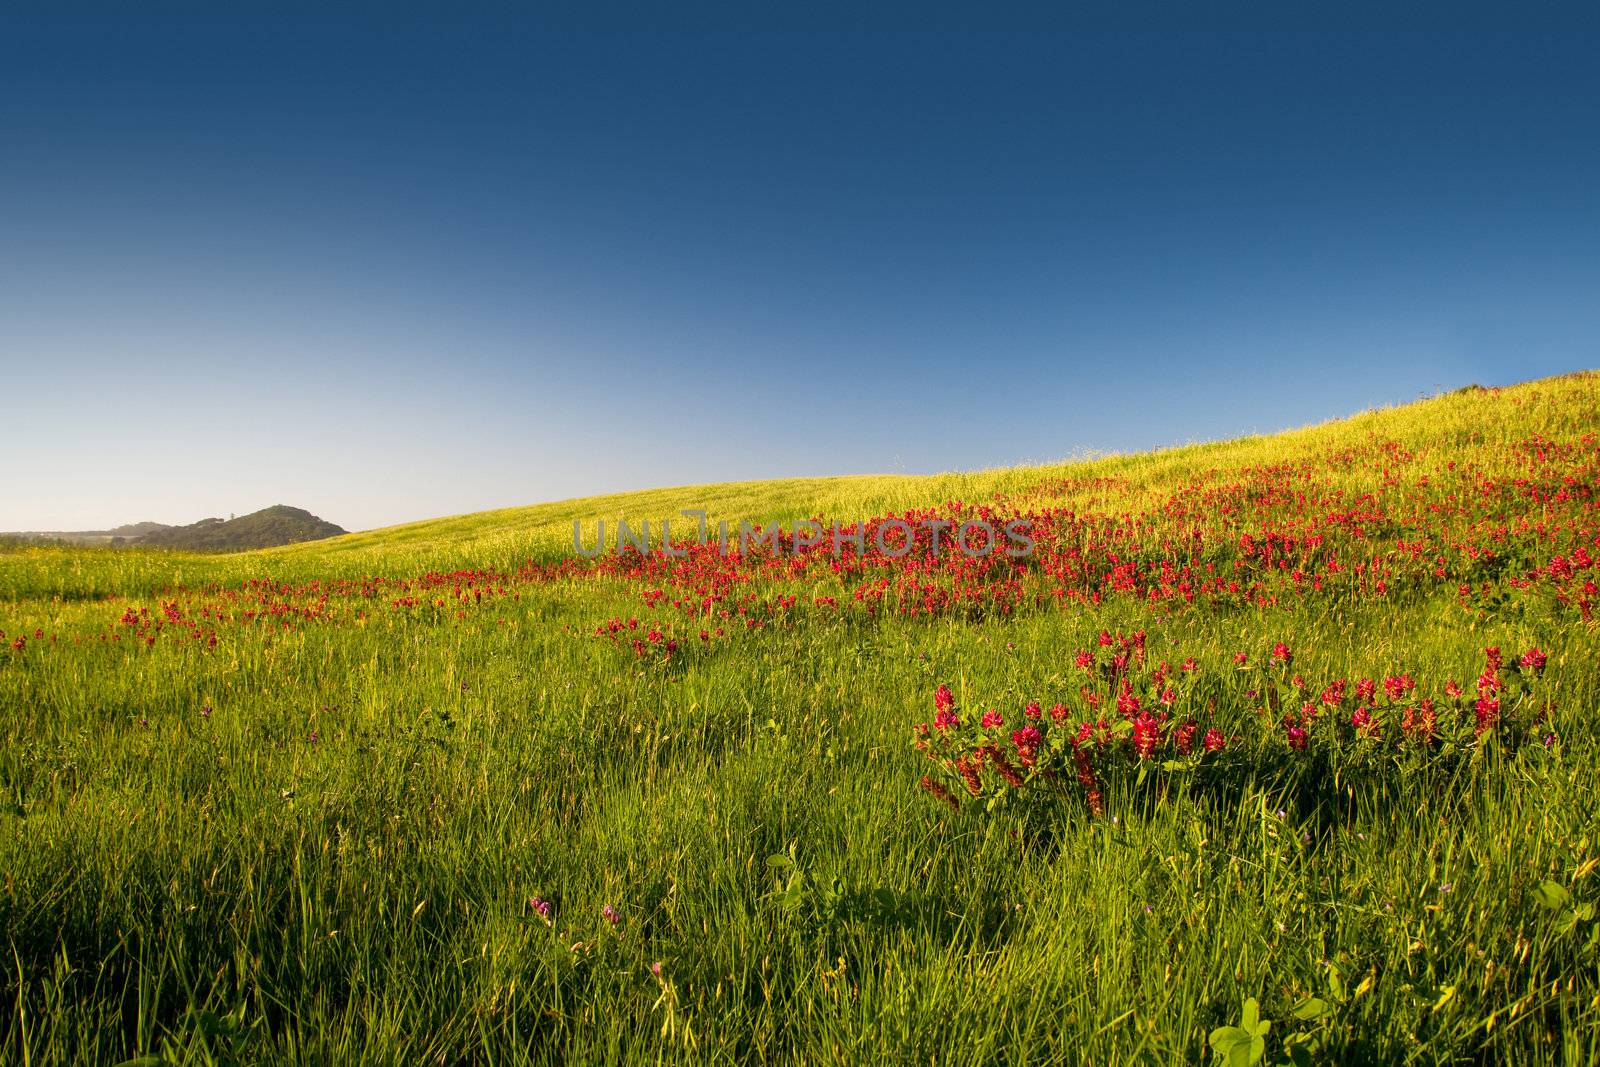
(1336, 983)
(1312, 1008)
(1552, 894)
(1250, 1014)
(1224, 1039)
(780, 860)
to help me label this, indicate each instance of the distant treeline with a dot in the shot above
(277, 525)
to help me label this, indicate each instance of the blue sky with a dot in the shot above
(393, 271)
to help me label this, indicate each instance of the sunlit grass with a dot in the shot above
(318, 842)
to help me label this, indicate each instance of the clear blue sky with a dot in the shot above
(389, 272)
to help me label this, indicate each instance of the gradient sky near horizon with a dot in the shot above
(389, 271)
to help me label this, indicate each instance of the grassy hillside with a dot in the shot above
(448, 793)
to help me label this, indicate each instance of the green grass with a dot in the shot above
(336, 865)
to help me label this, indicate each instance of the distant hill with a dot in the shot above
(133, 530)
(277, 525)
(125, 534)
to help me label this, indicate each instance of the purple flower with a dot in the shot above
(540, 905)
(613, 916)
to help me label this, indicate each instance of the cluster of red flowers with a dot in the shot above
(1490, 522)
(1275, 535)
(20, 642)
(1129, 717)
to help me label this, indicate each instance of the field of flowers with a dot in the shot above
(1285, 749)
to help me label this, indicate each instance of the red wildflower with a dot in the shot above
(1419, 722)
(1003, 766)
(1362, 720)
(940, 793)
(971, 772)
(1028, 739)
(1146, 735)
(1084, 766)
(1487, 710)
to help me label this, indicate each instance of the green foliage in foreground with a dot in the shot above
(394, 839)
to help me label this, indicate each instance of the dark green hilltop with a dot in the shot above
(267, 528)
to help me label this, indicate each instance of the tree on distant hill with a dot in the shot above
(277, 525)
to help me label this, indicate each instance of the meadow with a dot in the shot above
(1282, 749)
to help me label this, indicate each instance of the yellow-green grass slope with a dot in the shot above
(323, 840)
(1470, 417)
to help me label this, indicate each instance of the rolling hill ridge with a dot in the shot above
(267, 528)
